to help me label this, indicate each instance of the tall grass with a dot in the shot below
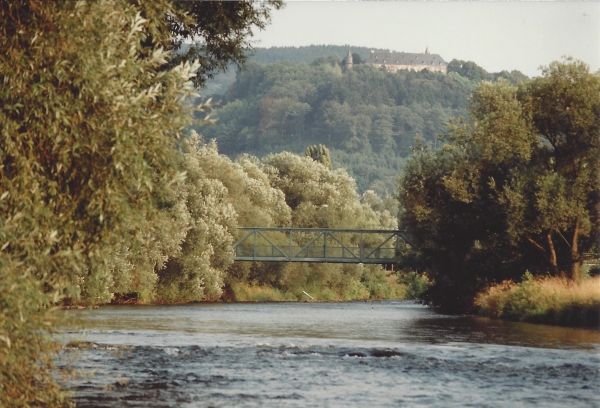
(252, 293)
(353, 289)
(544, 300)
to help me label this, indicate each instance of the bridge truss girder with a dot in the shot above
(326, 245)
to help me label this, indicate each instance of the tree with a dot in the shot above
(514, 189)
(319, 154)
(469, 69)
(282, 118)
(88, 132)
(219, 32)
(197, 272)
(359, 114)
(564, 105)
(382, 134)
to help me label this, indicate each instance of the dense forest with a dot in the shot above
(220, 80)
(368, 118)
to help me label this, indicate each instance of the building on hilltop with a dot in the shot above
(395, 61)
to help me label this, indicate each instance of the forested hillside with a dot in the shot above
(220, 82)
(368, 118)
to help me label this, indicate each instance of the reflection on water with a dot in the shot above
(489, 331)
(404, 322)
(327, 354)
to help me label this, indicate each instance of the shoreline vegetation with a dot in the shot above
(547, 300)
(381, 285)
(542, 300)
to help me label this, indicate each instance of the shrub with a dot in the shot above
(26, 350)
(543, 300)
(415, 284)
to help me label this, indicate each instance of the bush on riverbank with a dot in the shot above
(325, 283)
(549, 300)
(415, 284)
(26, 348)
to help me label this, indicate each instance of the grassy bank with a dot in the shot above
(353, 290)
(544, 300)
(399, 285)
(376, 284)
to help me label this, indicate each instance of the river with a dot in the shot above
(375, 354)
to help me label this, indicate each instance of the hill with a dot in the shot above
(296, 55)
(368, 118)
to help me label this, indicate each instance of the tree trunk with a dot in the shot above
(552, 255)
(540, 249)
(575, 259)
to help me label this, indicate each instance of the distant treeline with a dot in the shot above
(296, 55)
(367, 117)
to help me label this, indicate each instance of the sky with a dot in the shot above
(521, 35)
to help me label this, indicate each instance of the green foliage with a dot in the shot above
(218, 33)
(306, 54)
(472, 71)
(324, 282)
(95, 197)
(367, 118)
(26, 352)
(196, 273)
(319, 197)
(88, 128)
(311, 54)
(282, 190)
(247, 293)
(416, 284)
(543, 300)
(320, 154)
(315, 54)
(515, 189)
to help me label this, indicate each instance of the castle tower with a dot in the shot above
(348, 60)
(427, 50)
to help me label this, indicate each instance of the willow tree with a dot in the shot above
(88, 126)
(197, 272)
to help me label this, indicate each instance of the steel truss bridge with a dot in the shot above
(319, 245)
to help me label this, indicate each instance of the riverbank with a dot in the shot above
(353, 290)
(383, 285)
(548, 300)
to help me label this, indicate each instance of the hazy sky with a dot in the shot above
(496, 35)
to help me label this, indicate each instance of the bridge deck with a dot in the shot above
(318, 245)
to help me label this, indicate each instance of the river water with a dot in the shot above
(393, 353)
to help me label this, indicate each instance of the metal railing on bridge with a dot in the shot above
(318, 245)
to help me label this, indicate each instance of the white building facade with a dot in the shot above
(396, 61)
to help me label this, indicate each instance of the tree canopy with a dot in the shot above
(366, 117)
(515, 189)
(93, 193)
(217, 33)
